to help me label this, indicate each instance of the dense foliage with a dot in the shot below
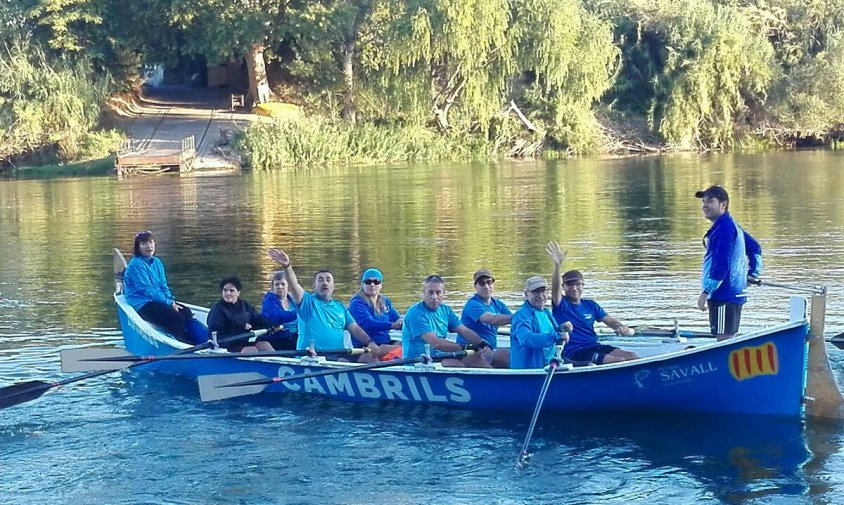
(517, 77)
(50, 105)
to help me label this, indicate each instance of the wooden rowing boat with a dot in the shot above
(762, 372)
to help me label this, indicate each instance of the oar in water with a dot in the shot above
(552, 367)
(86, 360)
(221, 386)
(837, 341)
(30, 390)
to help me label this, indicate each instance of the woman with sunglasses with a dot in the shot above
(375, 313)
(146, 290)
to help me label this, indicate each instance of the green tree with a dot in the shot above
(66, 25)
(325, 37)
(46, 104)
(218, 30)
(462, 64)
(806, 95)
(706, 65)
(569, 54)
(449, 50)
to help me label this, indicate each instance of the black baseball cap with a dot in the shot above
(714, 192)
(572, 276)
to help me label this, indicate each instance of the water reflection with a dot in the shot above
(625, 223)
(631, 225)
(686, 458)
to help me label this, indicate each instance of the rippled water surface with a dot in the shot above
(632, 226)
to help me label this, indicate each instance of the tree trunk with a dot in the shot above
(349, 109)
(259, 87)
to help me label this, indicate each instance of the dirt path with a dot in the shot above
(165, 115)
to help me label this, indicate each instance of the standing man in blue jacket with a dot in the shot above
(732, 256)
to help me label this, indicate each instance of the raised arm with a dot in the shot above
(557, 256)
(296, 290)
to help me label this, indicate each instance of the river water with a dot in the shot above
(632, 226)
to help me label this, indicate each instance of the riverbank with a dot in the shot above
(99, 167)
(158, 117)
(226, 139)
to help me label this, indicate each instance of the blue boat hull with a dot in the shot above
(758, 373)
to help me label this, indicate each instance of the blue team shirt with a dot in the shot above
(273, 311)
(144, 281)
(420, 320)
(323, 322)
(532, 337)
(582, 317)
(472, 312)
(731, 254)
(376, 324)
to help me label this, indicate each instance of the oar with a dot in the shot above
(659, 332)
(221, 386)
(641, 331)
(760, 282)
(30, 390)
(552, 367)
(86, 360)
(837, 340)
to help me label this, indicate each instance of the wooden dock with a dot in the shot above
(155, 157)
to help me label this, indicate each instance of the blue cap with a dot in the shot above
(372, 273)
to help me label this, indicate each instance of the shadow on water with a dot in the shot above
(136, 428)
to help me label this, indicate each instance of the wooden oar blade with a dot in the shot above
(214, 387)
(85, 360)
(22, 393)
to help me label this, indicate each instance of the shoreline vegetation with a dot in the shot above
(436, 80)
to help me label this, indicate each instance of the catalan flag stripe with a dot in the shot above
(749, 362)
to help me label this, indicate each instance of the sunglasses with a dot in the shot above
(486, 282)
(370, 282)
(147, 233)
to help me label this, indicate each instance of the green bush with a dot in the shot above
(313, 140)
(92, 167)
(98, 144)
(48, 104)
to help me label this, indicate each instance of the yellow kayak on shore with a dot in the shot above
(278, 110)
